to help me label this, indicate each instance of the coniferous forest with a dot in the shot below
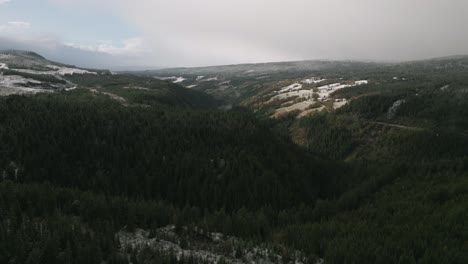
(79, 169)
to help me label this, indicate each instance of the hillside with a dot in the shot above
(242, 84)
(279, 88)
(23, 72)
(301, 162)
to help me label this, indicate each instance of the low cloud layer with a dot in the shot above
(123, 55)
(207, 32)
(261, 30)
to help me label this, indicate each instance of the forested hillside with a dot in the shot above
(131, 169)
(203, 158)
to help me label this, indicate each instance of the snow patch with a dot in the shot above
(330, 87)
(136, 88)
(58, 71)
(71, 88)
(115, 97)
(339, 103)
(300, 93)
(361, 82)
(3, 66)
(179, 80)
(313, 80)
(174, 79)
(292, 87)
(12, 80)
(13, 84)
(166, 78)
(445, 87)
(6, 56)
(392, 111)
(323, 94)
(211, 79)
(215, 246)
(69, 71)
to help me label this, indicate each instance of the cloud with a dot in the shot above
(91, 53)
(19, 24)
(104, 54)
(14, 28)
(186, 32)
(54, 50)
(207, 32)
(4, 1)
(132, 46)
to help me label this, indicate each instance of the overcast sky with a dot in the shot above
(165, 33)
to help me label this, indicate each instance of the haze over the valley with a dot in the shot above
(168, 33)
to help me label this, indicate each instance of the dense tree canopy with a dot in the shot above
(362, 186)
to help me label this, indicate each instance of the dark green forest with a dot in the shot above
(362, 187)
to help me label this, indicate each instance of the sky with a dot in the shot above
(171, 33)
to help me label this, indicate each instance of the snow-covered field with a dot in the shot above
(337, 86)
(35, 72)
(313, 80)
(12, 80)
(326, 90)
(6, 91)
(333, 86)
(300, 93)
(25, 71)
(13, 84)
(323, 94)
(17, 84)
(70, 71)
(292, 87)
(56, 70)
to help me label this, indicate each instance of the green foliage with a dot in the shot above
(145, 91)
(77, 167)
(370, 106)
(209, 159)
(325, 137)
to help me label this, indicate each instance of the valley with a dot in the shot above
(289, 162)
